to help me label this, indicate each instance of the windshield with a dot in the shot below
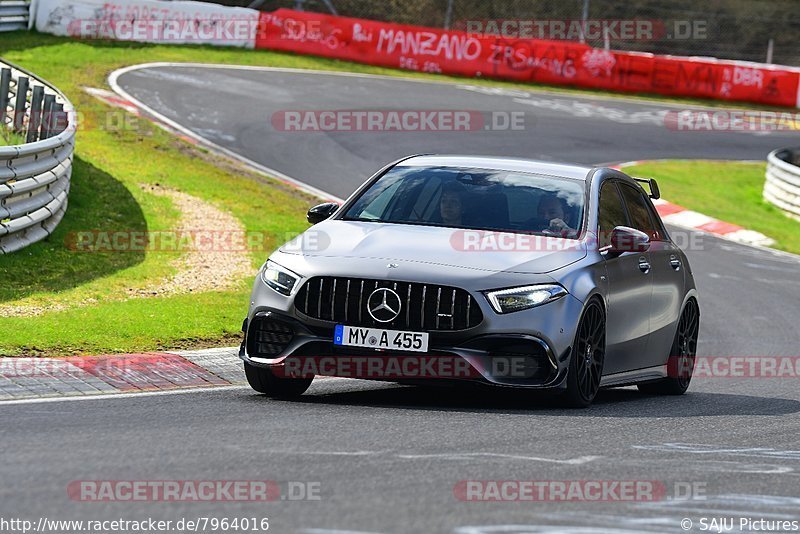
(480, 199)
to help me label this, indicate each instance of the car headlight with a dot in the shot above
(522, 298)
(278, 278)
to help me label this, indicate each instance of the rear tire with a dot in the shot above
(264, 381)
(682, 356)
(588, 355)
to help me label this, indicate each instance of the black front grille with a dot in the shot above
(268, 337)
(423, 306)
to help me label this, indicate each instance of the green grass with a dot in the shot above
(729, 191)
(109, 168)
(177, 322)
(9, 138)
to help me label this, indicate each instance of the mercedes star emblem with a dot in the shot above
(384, 305)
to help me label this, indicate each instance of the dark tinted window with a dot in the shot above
(474, 198)
(660, 232)
(637, 209)
(611, 212)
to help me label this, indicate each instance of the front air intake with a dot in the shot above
(267, 337)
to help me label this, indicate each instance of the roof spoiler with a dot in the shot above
(655, 193)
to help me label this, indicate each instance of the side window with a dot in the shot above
(611, 213)
(638, 212)
(659, 232)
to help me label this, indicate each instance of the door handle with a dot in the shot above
(675, 262)
(644, 265)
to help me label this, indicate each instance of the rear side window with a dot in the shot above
(611, 214)
(640, 215)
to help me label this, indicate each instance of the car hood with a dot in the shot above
(469, 249)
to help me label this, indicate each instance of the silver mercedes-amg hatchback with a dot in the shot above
(484, 271)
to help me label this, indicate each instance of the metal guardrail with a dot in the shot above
(14, 15)
(35, 173)
(782, 187)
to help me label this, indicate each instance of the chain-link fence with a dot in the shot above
(752, 30)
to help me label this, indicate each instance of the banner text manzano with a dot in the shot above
(422, 49)
(557, 62)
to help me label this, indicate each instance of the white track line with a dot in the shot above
(220, 150)
(129, 395)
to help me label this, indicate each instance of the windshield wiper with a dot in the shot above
(362, 219)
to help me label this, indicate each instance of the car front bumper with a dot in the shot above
(526, 349)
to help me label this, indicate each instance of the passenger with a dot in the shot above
(551, 209)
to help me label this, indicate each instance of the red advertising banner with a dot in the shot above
(552, 62)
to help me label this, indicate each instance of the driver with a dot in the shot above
(451, 204)
(551, 208)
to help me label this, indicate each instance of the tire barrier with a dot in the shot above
(35, 170)
(782, 187)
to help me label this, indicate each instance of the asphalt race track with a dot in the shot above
(387, 457)
(234, 108)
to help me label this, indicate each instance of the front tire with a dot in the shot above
(588, 355)
(264, 381)
(682, 356)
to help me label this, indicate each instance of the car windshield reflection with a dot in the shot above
(475, 199)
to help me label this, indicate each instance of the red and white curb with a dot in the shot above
(112, 99)
(685, 218)
(123, 375)
(22, 378)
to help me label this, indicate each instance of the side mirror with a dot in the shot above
(625, 239)
(655, 192)
(321, 212)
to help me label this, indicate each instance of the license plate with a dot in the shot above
(377, 338)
